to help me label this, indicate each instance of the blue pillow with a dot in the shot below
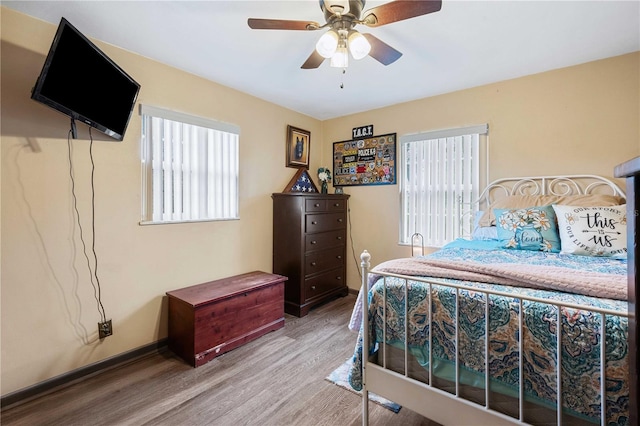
(483, 232)
(533, 228)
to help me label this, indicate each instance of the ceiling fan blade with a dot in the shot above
(381, 51)
(313, 61)
(281, 24)
(398, 11)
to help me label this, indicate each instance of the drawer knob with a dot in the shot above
(338, 257)
(314, 242)
(316, 205)
(339, 238)
(314, 222)
(339, 278)
(313, 263)
(340, 220)
(336, 205)
(313, 287)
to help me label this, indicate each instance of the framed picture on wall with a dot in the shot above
(298, 145)
(366, 161)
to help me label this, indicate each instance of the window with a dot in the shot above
(440, 179)
(189, 168)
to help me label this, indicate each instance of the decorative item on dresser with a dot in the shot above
(209, 319)
(324, 176)
(309, 247)
(301, 182)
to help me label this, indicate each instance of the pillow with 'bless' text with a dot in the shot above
(532, 228)
(593, 231)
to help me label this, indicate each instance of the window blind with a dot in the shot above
(441, 173)
(191, 167)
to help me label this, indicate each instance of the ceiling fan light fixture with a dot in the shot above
(359, 46)
(341, 17)
(327, 44)
(340, 59)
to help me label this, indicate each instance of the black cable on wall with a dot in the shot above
(93, 273)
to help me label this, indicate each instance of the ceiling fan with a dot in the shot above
(341, 17)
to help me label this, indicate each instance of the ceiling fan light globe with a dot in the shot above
(327, 44)
(340, 59)
(358, 45)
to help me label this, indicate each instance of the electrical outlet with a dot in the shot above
(104, 329)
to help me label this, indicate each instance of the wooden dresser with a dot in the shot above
(309, 247)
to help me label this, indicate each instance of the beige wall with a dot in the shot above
(49, 313)
(579, 120)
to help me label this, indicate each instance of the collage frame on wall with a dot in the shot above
(365, 161)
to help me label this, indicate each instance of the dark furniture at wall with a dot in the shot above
(631, 171)
(207, 320)
(309, 247)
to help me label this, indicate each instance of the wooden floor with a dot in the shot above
(278, 379)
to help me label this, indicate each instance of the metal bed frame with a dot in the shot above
(444, 407)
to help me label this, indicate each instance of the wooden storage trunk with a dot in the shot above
(207, 320)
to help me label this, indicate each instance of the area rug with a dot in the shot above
(340, 377)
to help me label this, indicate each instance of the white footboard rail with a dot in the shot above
(451, 408)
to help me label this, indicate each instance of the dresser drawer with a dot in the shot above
(326, 205)
(324, 222)
(336, 205)
(325, 240)
(320, 261)
(324, 283)
(315, 205)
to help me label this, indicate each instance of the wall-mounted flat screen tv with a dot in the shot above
(79, 80)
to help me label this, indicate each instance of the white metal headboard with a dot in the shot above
(537, 185)
(549, 185)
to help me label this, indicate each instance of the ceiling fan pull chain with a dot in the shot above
(344, 71)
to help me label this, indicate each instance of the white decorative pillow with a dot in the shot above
(593, 231)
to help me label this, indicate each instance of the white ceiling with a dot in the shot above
(465, 44)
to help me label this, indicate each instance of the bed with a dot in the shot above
(469, 334)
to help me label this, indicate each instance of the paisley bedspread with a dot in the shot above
(580, 333)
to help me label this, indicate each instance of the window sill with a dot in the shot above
(172, 222)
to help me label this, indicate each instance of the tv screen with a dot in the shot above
(79, 80)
